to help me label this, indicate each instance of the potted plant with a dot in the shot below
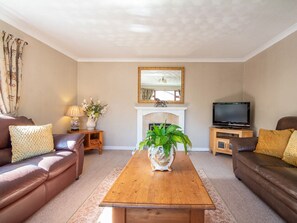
(161, 142)
(93, 110)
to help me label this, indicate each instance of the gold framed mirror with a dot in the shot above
(164, 83)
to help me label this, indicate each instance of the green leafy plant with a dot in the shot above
(167, 137)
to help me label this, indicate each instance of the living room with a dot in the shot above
(256, 64)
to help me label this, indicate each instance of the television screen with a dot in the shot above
(231, 114)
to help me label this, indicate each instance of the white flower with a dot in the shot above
(104, 110)
(92, 109)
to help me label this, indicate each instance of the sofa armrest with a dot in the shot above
(242, 145)
(68, 141)
(73, 142)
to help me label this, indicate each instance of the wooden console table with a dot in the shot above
(140, 195)
(219, 138)
(93, 139)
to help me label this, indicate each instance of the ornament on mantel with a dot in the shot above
(160, 103)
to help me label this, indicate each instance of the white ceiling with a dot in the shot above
(154, 30)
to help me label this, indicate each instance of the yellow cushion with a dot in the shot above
(29, 141)
(290, 154)
(273, 142)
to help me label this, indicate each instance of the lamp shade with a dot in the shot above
(75, 111)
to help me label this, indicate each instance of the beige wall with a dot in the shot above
(270, 81)
(52, 81)
(49, 82)
(116, 84)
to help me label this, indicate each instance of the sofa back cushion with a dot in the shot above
(5, 156)
(289, 122)
(5, 142)
(5, 122)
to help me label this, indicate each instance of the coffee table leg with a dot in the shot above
(197, 216)
(118, 215)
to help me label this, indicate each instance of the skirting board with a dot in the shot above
(194, 149)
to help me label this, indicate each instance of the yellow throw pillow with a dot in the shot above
(290, 154)
(29, 141)
(273, 142)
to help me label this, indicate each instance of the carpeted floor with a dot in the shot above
(244, 205)
(91, 212)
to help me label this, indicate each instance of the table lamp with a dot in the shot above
(74, 112)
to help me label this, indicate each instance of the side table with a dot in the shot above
(93, 139)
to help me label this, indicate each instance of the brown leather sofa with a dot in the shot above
(272, 179)
(27, 185)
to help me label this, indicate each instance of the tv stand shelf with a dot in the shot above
(219, 138)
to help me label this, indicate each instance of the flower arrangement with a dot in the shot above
(93, 109)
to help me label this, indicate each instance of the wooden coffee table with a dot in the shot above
(140, 195)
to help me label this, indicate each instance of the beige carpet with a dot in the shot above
(91, 212)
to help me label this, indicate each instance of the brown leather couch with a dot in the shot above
(27, 185)
(272, 179)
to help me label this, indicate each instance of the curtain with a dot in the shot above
(11, 52)
(146, 93)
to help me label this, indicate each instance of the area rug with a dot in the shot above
(91, 212)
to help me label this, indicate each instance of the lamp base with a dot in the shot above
(74, 124)
(74, 129)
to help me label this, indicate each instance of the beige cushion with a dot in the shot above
(290, 154)
(29, 141)
(273, 142)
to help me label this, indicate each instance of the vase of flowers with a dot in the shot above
(91, 123)
(161, 142)
(93, 110)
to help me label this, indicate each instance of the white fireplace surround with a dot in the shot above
(145, 110)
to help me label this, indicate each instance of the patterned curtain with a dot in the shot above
(146, 93)
(11, 51)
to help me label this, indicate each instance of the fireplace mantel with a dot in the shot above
(179, 111)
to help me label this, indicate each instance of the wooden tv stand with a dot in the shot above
(219, 138)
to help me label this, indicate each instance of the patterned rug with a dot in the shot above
(91, 212)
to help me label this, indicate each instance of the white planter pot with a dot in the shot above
(158, 159)
(91, 123)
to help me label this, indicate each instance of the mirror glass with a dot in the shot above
(164, 83)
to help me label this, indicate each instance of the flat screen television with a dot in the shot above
(231, 114)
